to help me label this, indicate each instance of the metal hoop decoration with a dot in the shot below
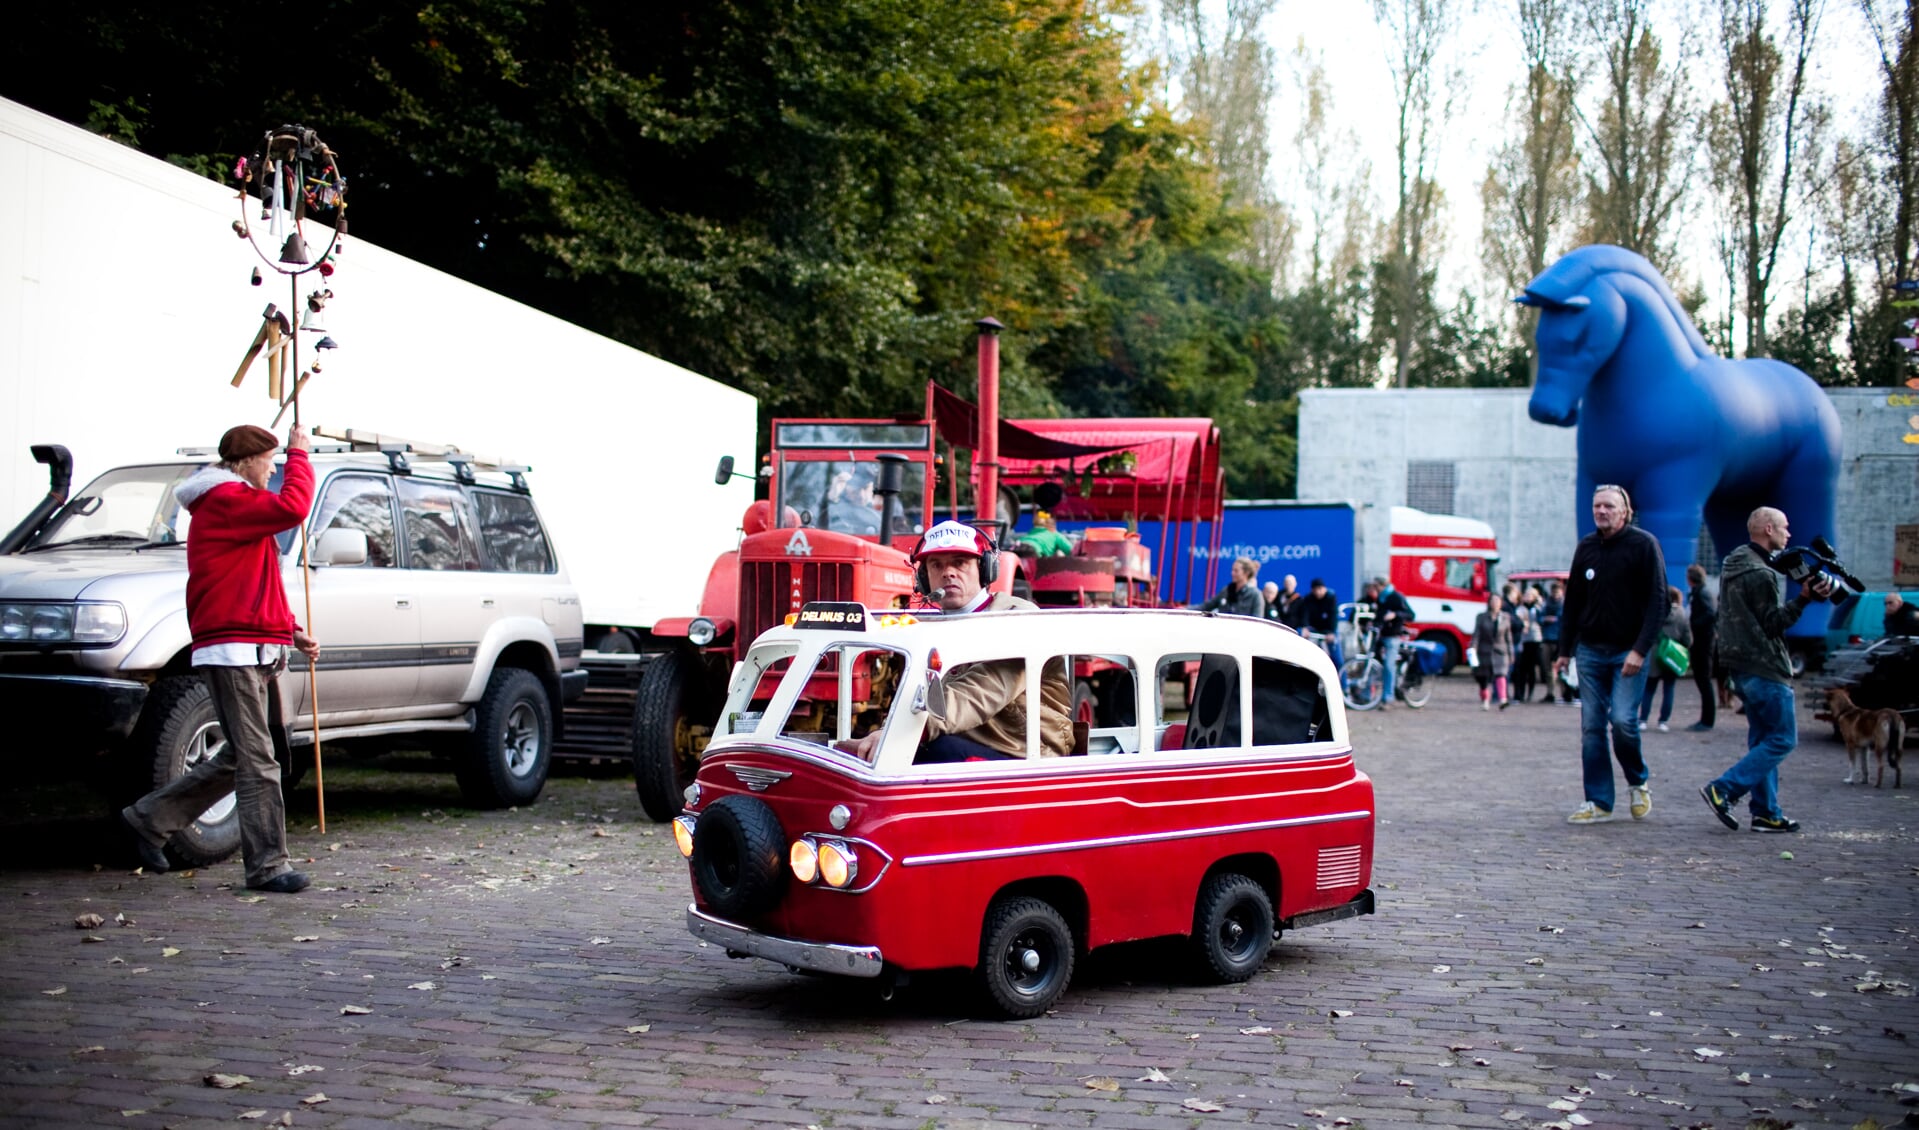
(292, 174)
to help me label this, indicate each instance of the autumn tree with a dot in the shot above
(1640, 131)
(1531, 189)
(1417, 32)
(1759, 138)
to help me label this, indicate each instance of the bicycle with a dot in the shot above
(1365, 673)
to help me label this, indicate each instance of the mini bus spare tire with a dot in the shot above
(1232, 927)
(511, 747)
(739, 857)
(1025, 957)
(664, 712)
(178, 730)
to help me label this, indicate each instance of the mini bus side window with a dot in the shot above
(1102, 700)
(1198, 702)
(1289, 704)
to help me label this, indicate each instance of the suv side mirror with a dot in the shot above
(340, 547)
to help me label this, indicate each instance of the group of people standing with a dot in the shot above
(1514, 643)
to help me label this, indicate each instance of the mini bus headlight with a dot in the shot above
(700, 632)
(683, 835)
(804, 861)
(838, 865)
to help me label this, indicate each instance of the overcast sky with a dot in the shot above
(1354, 51)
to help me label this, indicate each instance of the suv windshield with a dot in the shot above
(840, 495)
(127, 506)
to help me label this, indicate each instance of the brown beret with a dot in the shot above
(245, 441)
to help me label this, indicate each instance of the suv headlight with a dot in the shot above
(63, 622)
(700, 632)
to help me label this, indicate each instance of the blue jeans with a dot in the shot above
(1772, 730)
(1389, 655)
(1662, 684)
(1608, 697)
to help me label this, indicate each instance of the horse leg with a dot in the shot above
(1669, 509)
(1726, 521)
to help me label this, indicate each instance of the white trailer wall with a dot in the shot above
(125, 307)
(1519, 475)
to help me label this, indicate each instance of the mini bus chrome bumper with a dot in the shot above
(820, 957)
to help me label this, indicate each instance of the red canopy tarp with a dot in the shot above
(1175, 472)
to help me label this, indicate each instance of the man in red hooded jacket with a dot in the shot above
(237, 611)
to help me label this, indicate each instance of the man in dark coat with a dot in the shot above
(1615, 603)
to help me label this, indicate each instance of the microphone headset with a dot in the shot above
(988, 564)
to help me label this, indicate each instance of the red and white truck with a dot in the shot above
(1442, 564)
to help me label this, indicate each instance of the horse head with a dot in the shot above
(1581, 320)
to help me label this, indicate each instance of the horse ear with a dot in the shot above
(1575, 302)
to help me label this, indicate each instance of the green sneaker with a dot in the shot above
(1589, 813)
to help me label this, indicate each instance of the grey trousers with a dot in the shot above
(244, 699)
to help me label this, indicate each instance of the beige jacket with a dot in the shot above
(986, 702)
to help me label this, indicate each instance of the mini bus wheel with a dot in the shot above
(1232, 927)
(1025, 957)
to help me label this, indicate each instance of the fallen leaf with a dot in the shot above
(87, 921)
(1578, 1119)
(251, 898)
(423, 985)
(935, 1100)
(92, 938)
(1341, 1013)
(227, 1082)
(1512, 1115)
(637, 1029)
(1402, 1083)
(89, 1049)
(1442, 969)
(1707, 1053)
(305, 1068)
(1744, 1077)
(1535, 961)
(1102, 1083)
(55, 991)
(1202, 1106)
(1697, 926)
(314, 1099)
(1313, 1113)
(1153, 1075)
(599, 941)
(170, 951)
(1482, 1062)
(354, 1010)
(246, 1114)
(306, 937)
(1258, 1030)
(1562, 1105)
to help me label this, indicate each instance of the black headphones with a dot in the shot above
(988, 564)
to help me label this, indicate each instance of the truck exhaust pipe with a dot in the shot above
(986, 499)
(59, 463)
(892, 475)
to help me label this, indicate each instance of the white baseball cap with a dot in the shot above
(952, 537)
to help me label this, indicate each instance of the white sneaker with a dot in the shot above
(1589, 813)
(1484, 705)
(1664, 729)
(1641, 801)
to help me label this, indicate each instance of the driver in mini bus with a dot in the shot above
(985, 702)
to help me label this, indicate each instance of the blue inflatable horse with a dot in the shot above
(1688, 432)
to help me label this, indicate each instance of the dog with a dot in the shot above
(1882, 732)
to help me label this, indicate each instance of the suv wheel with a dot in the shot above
(178, 731)
(512, 742)
(667, 739)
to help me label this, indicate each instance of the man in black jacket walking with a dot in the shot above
(1615, 603)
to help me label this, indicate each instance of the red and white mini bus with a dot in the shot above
(1214, 795)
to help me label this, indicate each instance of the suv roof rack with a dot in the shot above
(397, 449)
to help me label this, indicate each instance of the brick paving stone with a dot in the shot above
(1647, 940)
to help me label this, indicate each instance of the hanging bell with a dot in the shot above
(256, 276)
(311, 322)
(327, 343)
(294, 251)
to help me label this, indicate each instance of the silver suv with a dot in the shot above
(445, 616)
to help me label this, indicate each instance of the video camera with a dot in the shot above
(1803, 564)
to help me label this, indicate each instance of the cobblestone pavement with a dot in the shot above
(532, 969)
